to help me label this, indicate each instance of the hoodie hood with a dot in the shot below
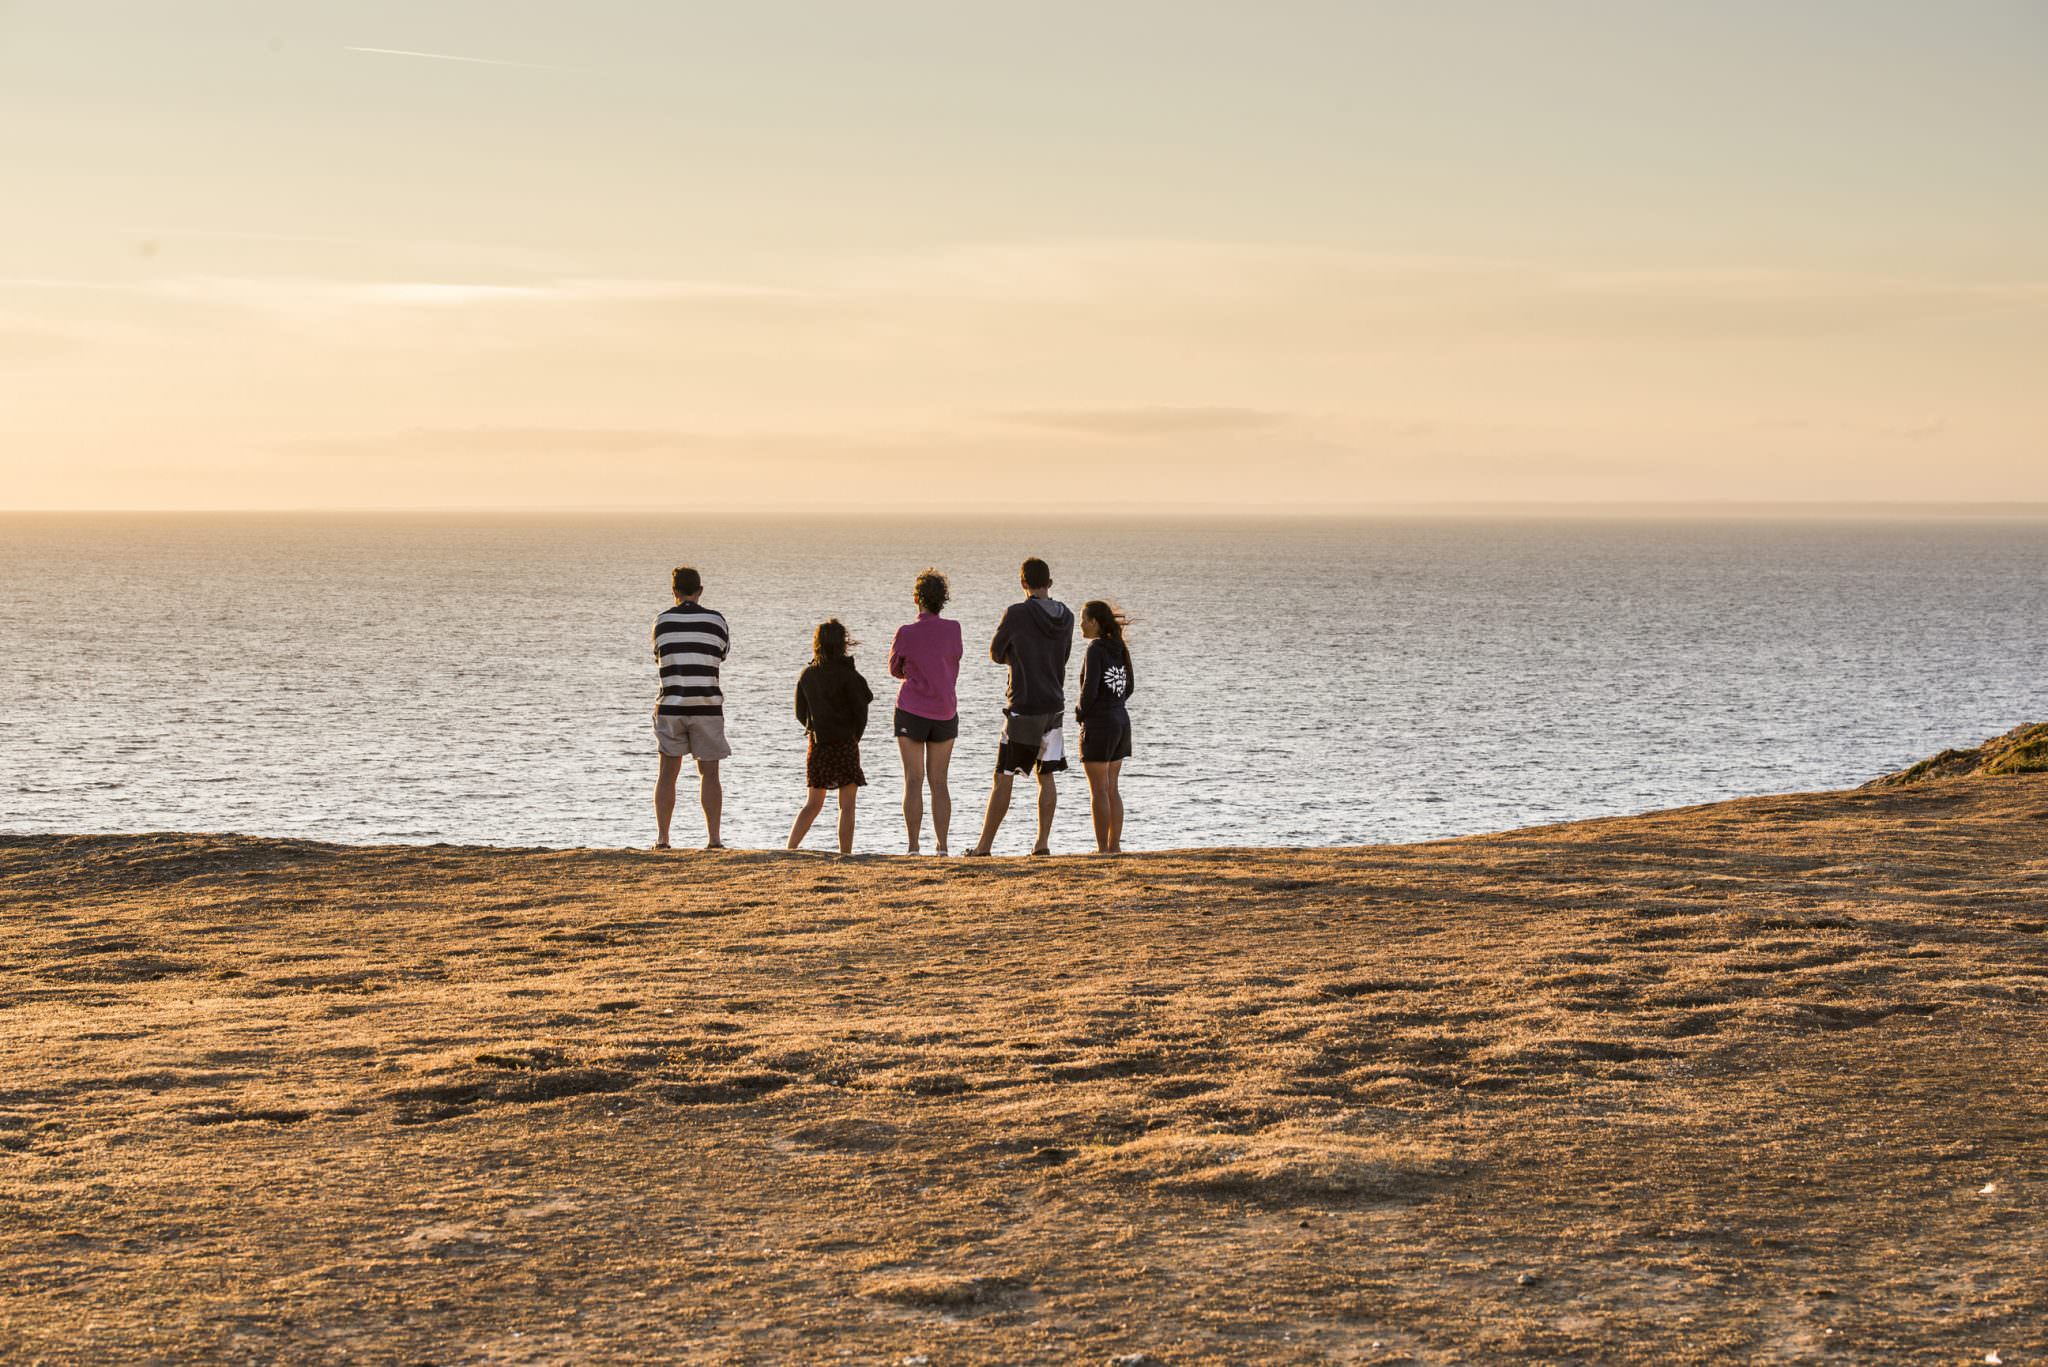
(1051, 616)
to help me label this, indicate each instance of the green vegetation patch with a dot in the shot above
(2022, 750)
(2028, 755)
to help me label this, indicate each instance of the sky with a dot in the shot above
(1113, 256)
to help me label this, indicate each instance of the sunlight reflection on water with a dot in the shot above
(485, 679)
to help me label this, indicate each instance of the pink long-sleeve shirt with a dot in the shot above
(926, 656)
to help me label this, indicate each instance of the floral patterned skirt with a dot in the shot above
(833, 764)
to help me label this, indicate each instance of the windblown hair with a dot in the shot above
(830, 642)
(1035, 574)
(932, 591)
(1112, 622)
(686, 581)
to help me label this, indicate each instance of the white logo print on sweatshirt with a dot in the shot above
(1116, 680)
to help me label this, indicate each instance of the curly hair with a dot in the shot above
(931, 591)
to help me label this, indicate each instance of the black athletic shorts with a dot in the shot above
(924, 730)
(1104, 739)
(1047, 754)
(1022, 759)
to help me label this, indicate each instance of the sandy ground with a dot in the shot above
(1766, 1080)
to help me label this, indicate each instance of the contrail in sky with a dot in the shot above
(450, 57)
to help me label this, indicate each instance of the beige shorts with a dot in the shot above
(702, 737)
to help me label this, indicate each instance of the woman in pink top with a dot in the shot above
(926, 656)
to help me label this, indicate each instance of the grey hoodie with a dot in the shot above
(1034, 639)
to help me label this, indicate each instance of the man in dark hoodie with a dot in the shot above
(1034, 639)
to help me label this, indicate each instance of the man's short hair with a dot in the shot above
(1035, 573)
(686, 582)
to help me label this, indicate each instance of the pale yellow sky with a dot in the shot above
(1302, 256)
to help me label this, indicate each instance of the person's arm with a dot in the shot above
(1091, 681)
(803, 704)
(999, 648)
(1130, 675)
(897, 668)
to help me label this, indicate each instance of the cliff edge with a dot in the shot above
(2022, 750)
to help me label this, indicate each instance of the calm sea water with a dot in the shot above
(486, 679)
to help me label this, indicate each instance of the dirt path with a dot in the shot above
(1764, 1080)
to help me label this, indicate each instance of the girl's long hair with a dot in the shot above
(1112, 622)
(830, 641)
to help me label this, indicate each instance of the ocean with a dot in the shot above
(487, 679)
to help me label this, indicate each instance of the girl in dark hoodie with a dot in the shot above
(1106, 681)
(832, 704)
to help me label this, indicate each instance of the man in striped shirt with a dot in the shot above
(690, 642)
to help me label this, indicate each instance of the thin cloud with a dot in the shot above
(550, 440)
(313, 298)
(1145, 422)
(492, 443)
(452, 57)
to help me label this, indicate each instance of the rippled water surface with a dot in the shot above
(487, 680)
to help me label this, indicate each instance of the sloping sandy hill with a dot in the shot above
(1762, 1080)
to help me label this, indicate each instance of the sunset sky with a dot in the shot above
(1115, 254)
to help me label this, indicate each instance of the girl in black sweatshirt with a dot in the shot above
(832, 704)
(1106, 681)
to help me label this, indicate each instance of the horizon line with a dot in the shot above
(2027, 508)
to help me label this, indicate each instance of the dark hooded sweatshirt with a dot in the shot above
(1107, 681)
(832, 701)
(1035, 638)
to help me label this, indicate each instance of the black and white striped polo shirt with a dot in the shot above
(689, 644)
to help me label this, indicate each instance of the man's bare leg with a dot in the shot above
(938, 758)
(913, 789)
(712, 793)
(665, 797)
(847, 796)
(998, 807)
(1048, 799)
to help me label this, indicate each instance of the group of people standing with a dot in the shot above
(1034, 640)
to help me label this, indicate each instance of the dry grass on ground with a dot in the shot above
(1762, 1080)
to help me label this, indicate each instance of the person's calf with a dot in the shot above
(847, 797)
(711, 795)
(998, 808)
(913, 819)
(1048, 804)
